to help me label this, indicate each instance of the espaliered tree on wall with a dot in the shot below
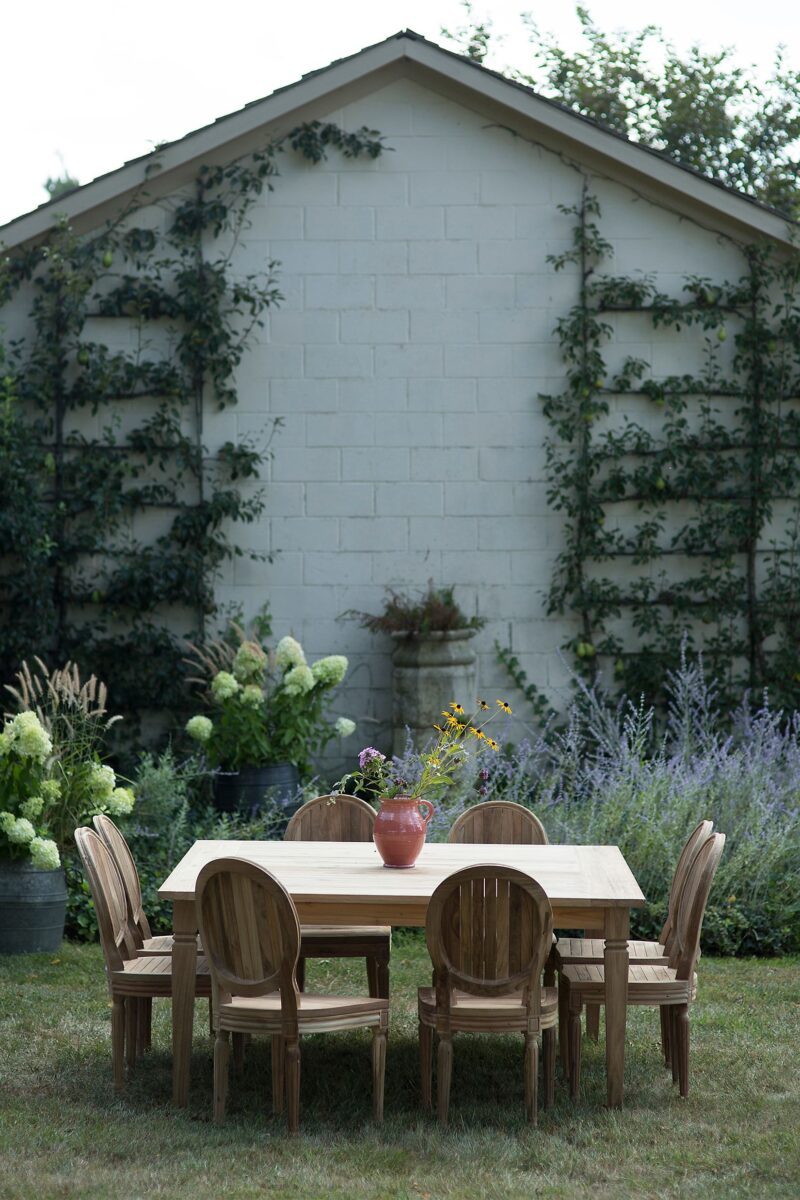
(98, 441)
(693, 530)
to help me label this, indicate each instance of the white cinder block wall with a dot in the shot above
(406, 362)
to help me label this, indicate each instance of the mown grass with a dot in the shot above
(64, 1133)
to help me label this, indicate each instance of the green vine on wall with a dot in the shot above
(115, 519)
(685, 524)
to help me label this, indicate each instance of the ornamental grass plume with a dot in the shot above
(266, 708)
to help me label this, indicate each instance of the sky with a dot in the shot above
(85, 86)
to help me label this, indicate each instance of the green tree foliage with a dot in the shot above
(696, 106)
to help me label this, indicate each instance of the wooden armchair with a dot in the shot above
(671, 987)
(489, 930)
(133, 979)
(249, 927)
(340, 818)
(498, 821)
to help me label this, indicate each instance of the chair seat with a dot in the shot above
(647, 984)
(161, 943)
(151, 975)
(315, 1013)
(570, 950)
(488, 1014)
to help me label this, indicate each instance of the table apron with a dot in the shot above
(409, 913)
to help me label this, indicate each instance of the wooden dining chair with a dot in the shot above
(498, 821)
(489, 930)
(573, 951)
(249, 926)
(340, 818)
(670, 986)
(133, 979)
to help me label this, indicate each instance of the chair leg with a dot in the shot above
(378, 1071)
(444, 1072)
(681, 1049)
(238, 1040)
(549, 977)
(563, 1023)
(425, 1063)
(673, 1041)
(147, 1006)
(300, 974)
(118, 1042)
(593, 1021)
(293, 1083)
(531, 1078)
(143, 1007)
(549, 1066)
(372, 977)
(210, 1018)
(574, 1036)
(278, 1075)
(131, 1028)
(663, 1012)
(221, 1056)
(382, 971)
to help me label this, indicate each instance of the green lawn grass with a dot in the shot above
(64, 1133)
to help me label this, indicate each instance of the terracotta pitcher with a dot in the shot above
(400, 829)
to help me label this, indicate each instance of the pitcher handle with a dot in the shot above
(427, 804)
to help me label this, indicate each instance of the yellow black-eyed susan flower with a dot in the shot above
(478, 733)
(492, 743)
(456, 707)
(505, 707)
(484, 707)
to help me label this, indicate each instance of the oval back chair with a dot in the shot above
(332, 818)
(496, 821)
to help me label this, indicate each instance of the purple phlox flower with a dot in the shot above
(370, 754)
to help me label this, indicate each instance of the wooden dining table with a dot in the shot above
(346, 883)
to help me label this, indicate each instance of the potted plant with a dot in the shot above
(265, 718)
(432, 658)
(400, 828)
(52, 779)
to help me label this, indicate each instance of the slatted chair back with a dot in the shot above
(697, 839)
(498, 821)
(333, 818)
(489, 930)
(692, 906)
(108, 894)
(250, 934)
(120, 851)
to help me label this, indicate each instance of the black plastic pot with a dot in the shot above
(248, 789)
(33, 905)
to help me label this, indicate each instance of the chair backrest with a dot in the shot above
(498, 821)
(108, 893)
(120, 851)
(697, 839)
(489, 930)
(334, 818)
(250, 933)
(692, 906)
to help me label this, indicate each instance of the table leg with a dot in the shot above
(615, 961)
(184, 967)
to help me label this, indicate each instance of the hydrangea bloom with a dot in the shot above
(7, 820)
(252, 695)
(21, 831)
(344, 726)
(51, 789)
(298, 681)
(120, 802)
(30, 739)
(44, 854)
(331, 670)
(224, 685)
(289, 653)
(102, 782)
(249, 663)
(32, 807)
(199, 728)
(6, 740)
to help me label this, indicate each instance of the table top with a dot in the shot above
(319, 872)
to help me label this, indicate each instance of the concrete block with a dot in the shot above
(443, 533)
(410, 292)
(307, 257)
(373, 258)
(285, 500)
(409, 499)
(460, 567)
(326, 567)
(459, 326)
(515, 187)
(379, 188)
(477, 221)
(302, 395)
(305, 533)
(447, 464)
(510, 533)
(512, 463)
(410, 429)
(476, 292)
(478, 361)
(290, 328)
(442, 395)
(340, 499)
(444, 187)
(515, 325)
(375, 327)
(442, 258)
(406, 571)
(371, 533)
(344, 429)
(338, 291)
(478, 498)
(513, 257)
(410, 224)
(335, 362)
(372, 395)
(303, 464)
(407, 360)
(384, 464)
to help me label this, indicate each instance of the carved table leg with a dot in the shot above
(616, 986)
(184, 966)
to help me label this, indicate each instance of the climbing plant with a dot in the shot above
(116, 519)
(686, 524)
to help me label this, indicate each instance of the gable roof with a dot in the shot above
(584, 139)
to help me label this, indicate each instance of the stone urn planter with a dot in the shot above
(430, 671)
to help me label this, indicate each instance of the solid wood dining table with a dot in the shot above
(338, 883)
